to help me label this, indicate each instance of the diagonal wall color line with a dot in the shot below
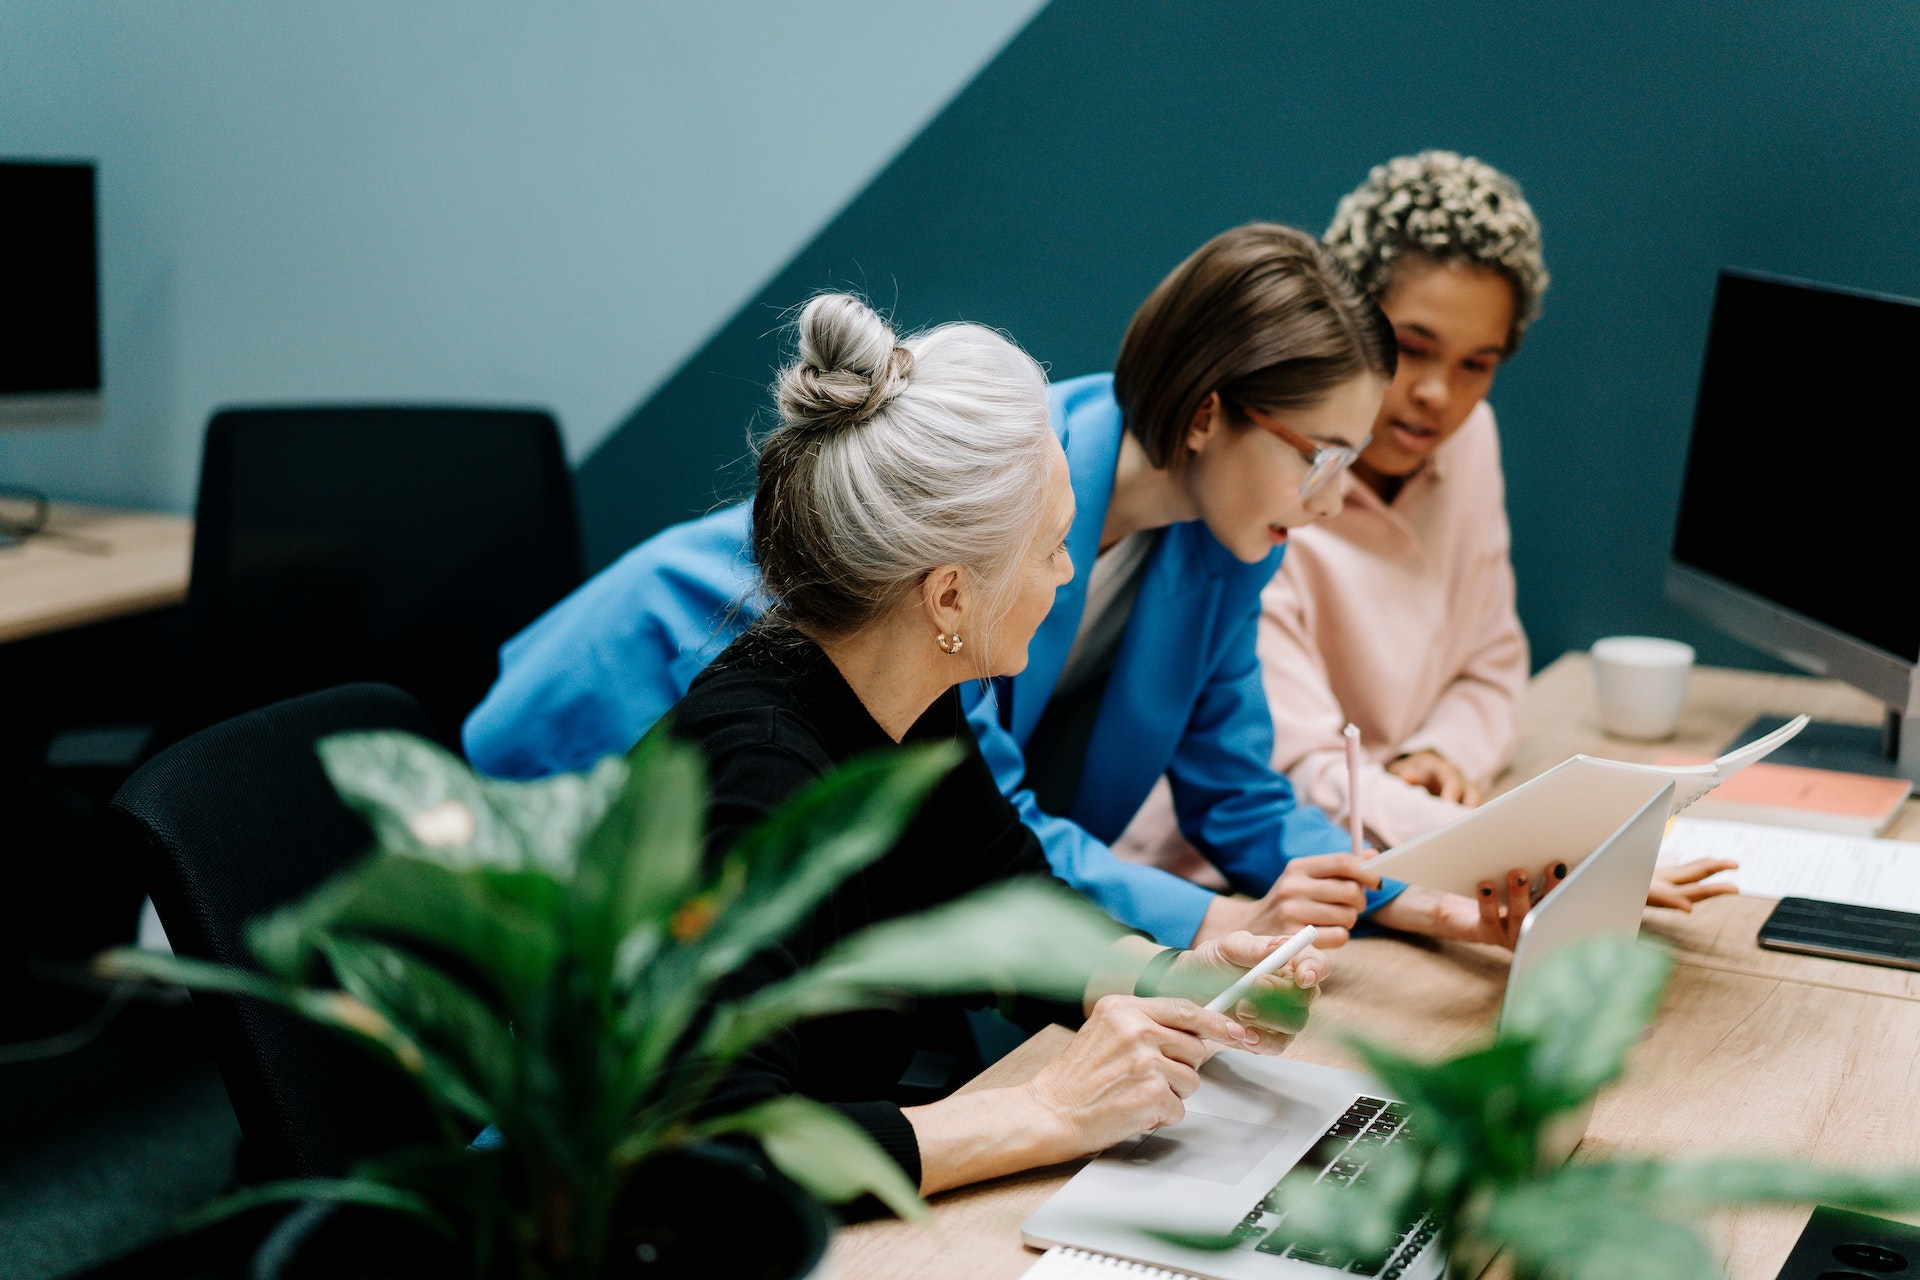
(1109, 139)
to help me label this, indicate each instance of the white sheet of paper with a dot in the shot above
(1783, 862)
(1561, 816)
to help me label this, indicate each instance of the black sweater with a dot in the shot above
(773, 715)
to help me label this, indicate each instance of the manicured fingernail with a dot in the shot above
(1559, 871)
(1245, 1010)
(1521, 878)
(1486, 891)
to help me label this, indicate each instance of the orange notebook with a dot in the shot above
(1785, 795)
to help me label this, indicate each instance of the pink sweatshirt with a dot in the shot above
(1400, 618)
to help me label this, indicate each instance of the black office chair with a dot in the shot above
(229, 824)
(402, 545)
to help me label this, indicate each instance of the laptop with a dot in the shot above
(1255, 1119)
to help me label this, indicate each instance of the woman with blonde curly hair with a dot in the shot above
(1398, 614)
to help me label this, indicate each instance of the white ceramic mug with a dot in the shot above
(1640, 683)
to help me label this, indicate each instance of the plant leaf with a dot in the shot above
(333, 1009)
(802, 852)
(643, 857)
(424, 802)
(1708, 1183)
(773, 876)
(365, 1191)
(467, 914)
(195, 975)
(392, 779)
(1476, 1104)
(553, 815)
(1583, 1008)
(1611, 1219)
(824, 1152)
(1021, 938)
(1552, 1232)
(469, 1060)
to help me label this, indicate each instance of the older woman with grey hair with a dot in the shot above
(909, 527)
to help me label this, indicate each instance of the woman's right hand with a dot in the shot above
(1680, 887)
(1128, 1069)
(1437, 775)
(1328, 891)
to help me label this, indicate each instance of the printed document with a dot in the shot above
(1782, 862)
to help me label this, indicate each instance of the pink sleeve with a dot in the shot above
(1475, 723)
(1307, 720)
(1306, 715)
(1393, 810)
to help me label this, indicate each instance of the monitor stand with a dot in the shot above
(1824, 744)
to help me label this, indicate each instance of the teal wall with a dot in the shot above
(1659, 142)
(472, 200)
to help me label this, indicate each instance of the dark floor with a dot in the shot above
(104, 1147)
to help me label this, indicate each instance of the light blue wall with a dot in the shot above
(547, 202)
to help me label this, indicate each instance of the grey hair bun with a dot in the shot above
(851, 366)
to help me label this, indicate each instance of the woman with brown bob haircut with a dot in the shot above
(1246, 384)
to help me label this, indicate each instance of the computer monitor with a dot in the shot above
(50, 319)
(1797, 532)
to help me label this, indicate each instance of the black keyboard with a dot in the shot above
(1341, 1158)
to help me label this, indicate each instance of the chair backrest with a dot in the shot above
(402, 545)
(229, 824)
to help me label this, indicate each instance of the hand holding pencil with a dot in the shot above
(1328, 891)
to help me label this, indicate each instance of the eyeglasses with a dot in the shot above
(1325, 462)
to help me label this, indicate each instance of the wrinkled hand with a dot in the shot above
(1276, 1009)
(1680, 887)
(1328, 891)
(1129, 1069)
(1439, 775)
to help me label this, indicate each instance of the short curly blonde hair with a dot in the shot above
(1449, 208)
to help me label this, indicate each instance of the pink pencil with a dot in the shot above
(1352, 735)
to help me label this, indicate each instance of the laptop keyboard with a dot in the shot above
(1340, 1158)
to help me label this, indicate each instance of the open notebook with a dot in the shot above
(1077, 1264)
(1560, 816)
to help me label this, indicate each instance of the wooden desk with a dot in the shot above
(1558, 720)
(1753, 1051)
(112, 563)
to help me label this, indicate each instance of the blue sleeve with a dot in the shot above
(576, 686)
(1230, 802)
(1141, 897)
(594, 673)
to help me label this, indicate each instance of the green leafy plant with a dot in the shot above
(1481, 1156)
(542, 957)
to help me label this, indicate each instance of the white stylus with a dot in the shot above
(1284, 952)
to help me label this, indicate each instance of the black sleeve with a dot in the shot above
(751, 782)
(975, 816)
(982, 815)
(781, 1066)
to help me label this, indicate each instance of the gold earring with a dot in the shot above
(950, 644)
